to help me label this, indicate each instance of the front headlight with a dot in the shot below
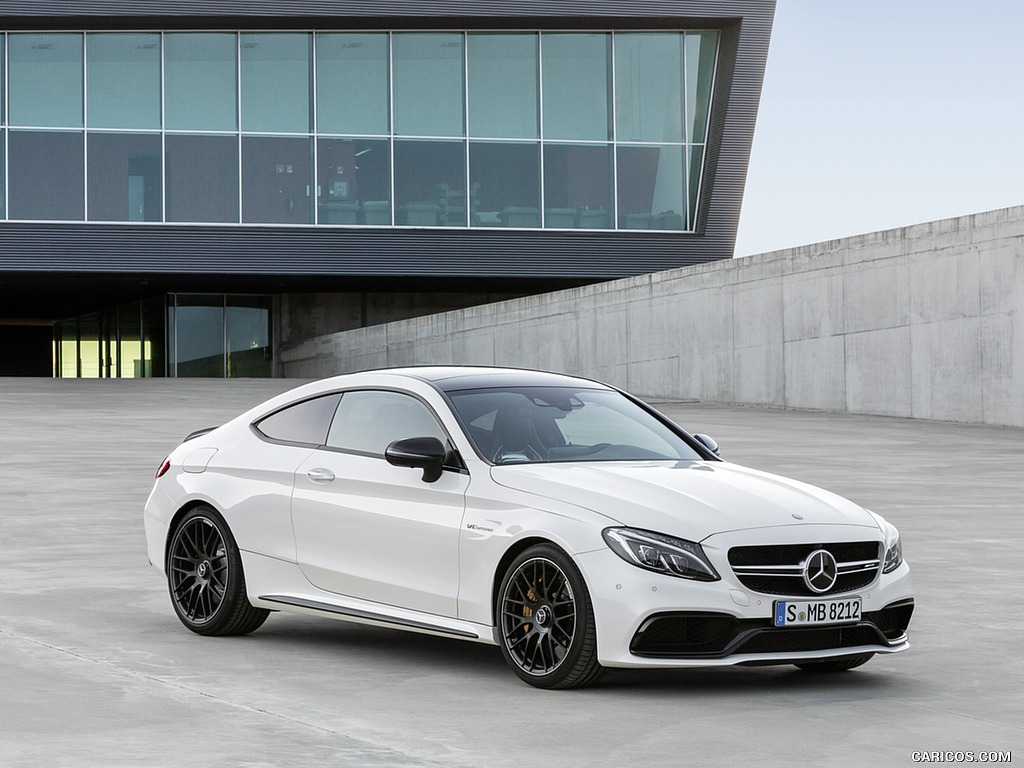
(893, 555)
(661, 554)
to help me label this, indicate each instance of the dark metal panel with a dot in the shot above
(160, 249)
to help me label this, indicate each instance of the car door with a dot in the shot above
(370, 530)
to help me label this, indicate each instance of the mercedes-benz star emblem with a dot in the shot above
(820, 571)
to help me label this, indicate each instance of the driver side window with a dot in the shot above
(367, 422)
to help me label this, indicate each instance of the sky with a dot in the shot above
(878, 114)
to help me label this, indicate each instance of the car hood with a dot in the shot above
(692, 500)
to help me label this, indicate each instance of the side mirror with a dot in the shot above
(426, 453)
(708, 442)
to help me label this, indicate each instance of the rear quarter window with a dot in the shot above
(306, 422)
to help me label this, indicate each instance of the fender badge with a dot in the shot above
(797, 517)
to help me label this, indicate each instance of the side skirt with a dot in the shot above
(356, 613)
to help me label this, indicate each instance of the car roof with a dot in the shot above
(455, 378)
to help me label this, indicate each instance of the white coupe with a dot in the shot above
(563, 520)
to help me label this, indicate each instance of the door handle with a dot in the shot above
(320, 475)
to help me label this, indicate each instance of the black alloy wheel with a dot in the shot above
(546, 621)
(205, 579)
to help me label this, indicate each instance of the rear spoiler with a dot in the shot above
(197, 433)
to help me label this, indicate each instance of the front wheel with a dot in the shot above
(835, 665)
(205, 579)
(546, 621)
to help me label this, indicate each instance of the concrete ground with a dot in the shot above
(95, 669)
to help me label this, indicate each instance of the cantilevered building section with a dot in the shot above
(186, 187)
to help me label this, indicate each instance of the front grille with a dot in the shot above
(718, 635)
(778, 570)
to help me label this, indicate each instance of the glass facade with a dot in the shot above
(179, 335)
(532, 130)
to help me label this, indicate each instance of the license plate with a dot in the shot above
(804, 613)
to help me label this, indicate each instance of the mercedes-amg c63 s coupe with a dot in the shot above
(563, 520)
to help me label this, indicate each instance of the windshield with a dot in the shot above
(541, 424)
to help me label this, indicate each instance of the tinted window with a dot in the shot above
(537, 424)
(367, 422)
(305, 422)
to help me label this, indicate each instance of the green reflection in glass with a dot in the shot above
(696, 165)
(276, 82)
(502, 81)
(249, 349)
(701, 53)
(123, 80)
(649, 86)
(352, 83)
(201, 81)
(576, 86)
(45, 80)
(199, 336)
(428, 83)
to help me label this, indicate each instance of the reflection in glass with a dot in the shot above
(3, 175)
(701, 52)
(352, 83)
(276, 82)
(200, 81)
(276, 180)
(129, 333)
(3, 96)
(428, 89)
(124, 177)
(354, 181)
(123, 80)
(577, 186)
(250, 353)
(199, 336)
(577, 84)
(649, 86)
(503, 82)
(46, 174)
(89, 364)
(430, 183)
(651, 193)
(154, 334)
(45, 80)
(202, 178)
(505, 183)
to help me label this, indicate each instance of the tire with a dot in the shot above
(205, 579)
(546, 621)
(835, 665)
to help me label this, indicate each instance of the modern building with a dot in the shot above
(186, 187)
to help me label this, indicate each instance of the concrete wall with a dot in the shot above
(925, 321)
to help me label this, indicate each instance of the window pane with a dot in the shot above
(276, 180)
(503, 84)
(696, 166)
(576, 86)
(89, 365)
(701, 52)
(200, 81)
(306, 422)
(45, 80)
(430, 183)
(250, 354)
(352, 83)
(577, 186)
(124, 177)
(202, 178)
(3, 176)
(3, 103)
(649, 87)
(46, 174)
(154, 325)
(651, 190)
(505, 184)
(129, 330)
(428, 90)
(276, 82)
(354, 181)
(368, 422)
(124, 80)
(199, 336)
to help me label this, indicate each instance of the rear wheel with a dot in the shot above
(205, 579)
(835, 665)
(546, 621)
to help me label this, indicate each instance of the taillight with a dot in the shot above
(163, 468)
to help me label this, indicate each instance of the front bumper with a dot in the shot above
(645, 619)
